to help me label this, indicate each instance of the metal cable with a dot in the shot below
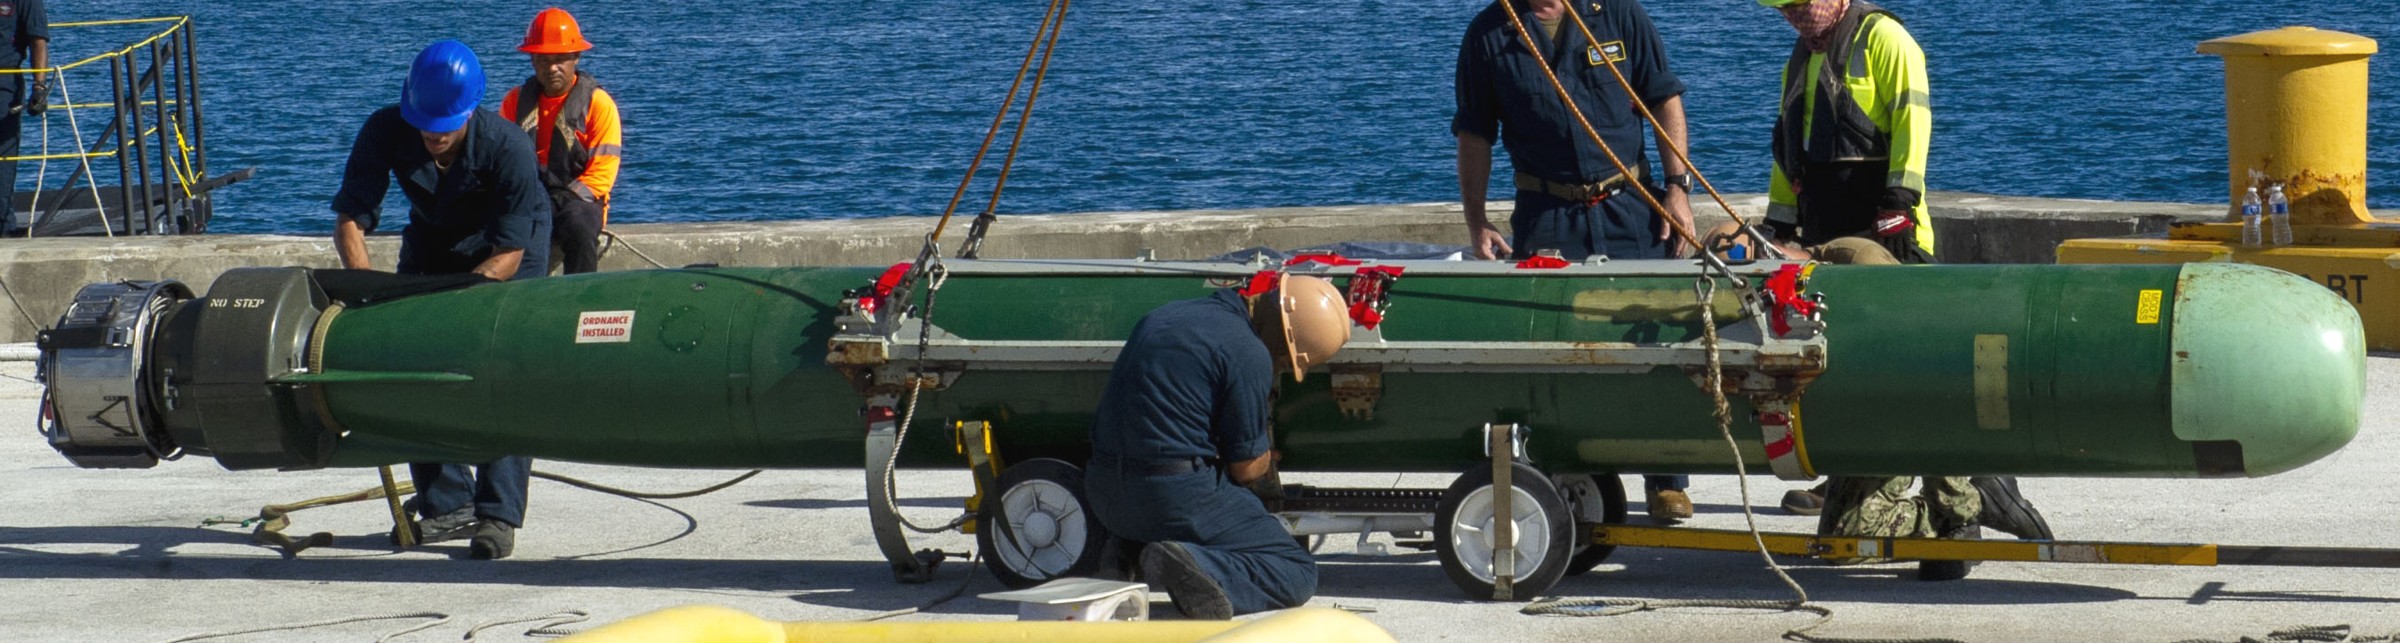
(547, 624)
(440, 619)
(955, 592)
(2309, 634)
(614, 241)
(1723, 410)
(643, 495)
(936, 276)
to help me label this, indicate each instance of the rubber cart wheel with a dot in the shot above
(1591, 499)
(1037, 526)
(1462, 532)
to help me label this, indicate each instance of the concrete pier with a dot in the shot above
(41, 275)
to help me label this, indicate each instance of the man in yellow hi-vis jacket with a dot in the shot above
(1850, 147)
(1851, 138)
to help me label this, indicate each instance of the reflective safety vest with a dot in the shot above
(1837, 129)
(568, 156)
(1859, 112)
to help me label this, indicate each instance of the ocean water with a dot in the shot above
(823, 109)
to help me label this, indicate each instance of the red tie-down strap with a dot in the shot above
(1260, 283)
(1538, 262)
(1369, 289)
(1327, 258)
(884, 285)
(1784, 287)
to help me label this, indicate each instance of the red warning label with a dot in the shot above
(604, 327)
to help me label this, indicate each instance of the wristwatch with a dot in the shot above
(1678, 181)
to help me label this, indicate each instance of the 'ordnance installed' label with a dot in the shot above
(604, 327)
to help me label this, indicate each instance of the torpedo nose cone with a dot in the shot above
(2268, 369)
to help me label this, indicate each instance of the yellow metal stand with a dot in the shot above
(2030, 551)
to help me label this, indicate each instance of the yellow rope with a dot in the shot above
(1673, 146)
(1051, 20)
(1509, 7)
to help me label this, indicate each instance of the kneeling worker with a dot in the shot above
(475, 206)
(1183, 425)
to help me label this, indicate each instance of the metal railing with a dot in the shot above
(154, 112)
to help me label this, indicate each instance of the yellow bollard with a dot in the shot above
(2296, 111)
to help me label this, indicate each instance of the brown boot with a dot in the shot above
(1669, 505)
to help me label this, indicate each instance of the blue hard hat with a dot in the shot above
(443, 87)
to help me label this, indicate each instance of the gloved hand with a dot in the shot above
(1897, 232)
(37, 99)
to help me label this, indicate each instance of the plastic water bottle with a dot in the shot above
(2279, 214)
(2250, 231)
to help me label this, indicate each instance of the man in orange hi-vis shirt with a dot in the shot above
(575, 132)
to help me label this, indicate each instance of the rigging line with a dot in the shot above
(1526, 37)
(1674, 147)
(85, 158)
(1017, 139)
(1055, 13)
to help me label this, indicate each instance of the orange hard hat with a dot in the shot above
(554, 32)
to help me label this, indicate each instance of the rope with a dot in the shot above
(614, 241)
(20, 306)
(1673, 146)
(916, 376)
(983, 222)
(1509, 7)
(547, 624)
(273, 519)
(963, 581)
(440, 620)
(83, 157)
(1052, 20)
(1723, 411)
(2308, 633)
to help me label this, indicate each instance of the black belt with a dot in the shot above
(1591, 192)
(1153, 467)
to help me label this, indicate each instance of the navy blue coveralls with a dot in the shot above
(1503, 96)
(490, 199)
(25, 22)
(1188, 394)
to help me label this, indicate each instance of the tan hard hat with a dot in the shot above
(1314, 319)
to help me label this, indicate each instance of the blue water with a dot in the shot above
(816, 109)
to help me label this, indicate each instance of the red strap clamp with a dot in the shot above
(1784, 288)
(1370, 292)
(1539, 262)
(1327, 258)
(884, 285)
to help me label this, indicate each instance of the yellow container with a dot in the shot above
(2296, 111)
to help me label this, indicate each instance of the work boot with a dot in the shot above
(494, 540)
(1171, 566)
(1942, 570)
(2005, 509)
(1120, 560)
(446, 527)
(1669, 505)
(1805, 502)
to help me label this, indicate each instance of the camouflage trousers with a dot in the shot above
(1883, 507)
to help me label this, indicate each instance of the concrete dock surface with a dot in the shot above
(95, 555)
